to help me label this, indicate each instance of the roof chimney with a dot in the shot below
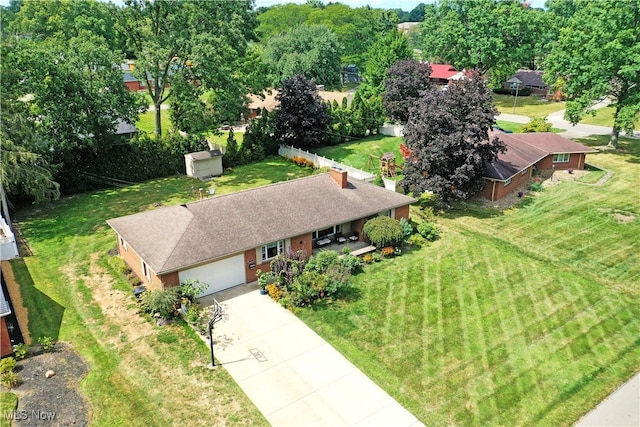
(339, 176)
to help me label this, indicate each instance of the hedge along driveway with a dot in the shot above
(74, 292)
(524, 317)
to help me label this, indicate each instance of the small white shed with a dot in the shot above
(204, 164)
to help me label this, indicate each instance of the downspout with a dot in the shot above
(493, 191)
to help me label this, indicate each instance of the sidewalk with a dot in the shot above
(621, 408)
(291, 374)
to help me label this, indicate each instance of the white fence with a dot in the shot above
(391, 130)
(319, 161)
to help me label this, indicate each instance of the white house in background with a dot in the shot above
(8, 246)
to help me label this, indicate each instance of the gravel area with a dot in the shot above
(54, 401)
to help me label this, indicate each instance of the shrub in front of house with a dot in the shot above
(352, 263)
(383, 231)
(428, 230)
(536, 186)
(164, 302)
(387, 251)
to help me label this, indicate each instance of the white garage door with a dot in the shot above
(219, 275)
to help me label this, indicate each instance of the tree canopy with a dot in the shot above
(312, 51)
(447, 133)
(597, 55)
(405, 82)
(207, 38)
(492, 36)
(385, 52)
(302, 117)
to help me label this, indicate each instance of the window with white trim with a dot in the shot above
(524, 172)
(507, 182)
(272, 250)
(561, 158)
(331, 231)
(123, 244)
(145, 271)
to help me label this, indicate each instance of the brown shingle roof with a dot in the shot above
(176, 237)
(526, 149)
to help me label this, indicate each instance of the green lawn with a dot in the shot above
(525, 317)
(147, 121)
(140, 374)
(604, 117)
(8, 402)
(517, 127)
(530, 106)
(529, 316)
(357, 153)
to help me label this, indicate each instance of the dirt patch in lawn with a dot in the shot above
(143, 349)
(54, 401)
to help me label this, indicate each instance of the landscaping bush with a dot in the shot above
(287, 267)
(307, 288)
(387, 251)
(537, 124)
(407, 228)
(47, 343)
(337, 283)
(428, 231)
(8, 364)
(10, 379)
(352, 263)
(383, 231)
(322, 261)
(20, 351)
(190, 289)
(367, 258)
(416, 240)
(164, 302)
(536, 186)
(192, 315)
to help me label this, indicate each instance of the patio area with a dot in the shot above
(358, 247)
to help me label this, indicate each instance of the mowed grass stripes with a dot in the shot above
(526, 317)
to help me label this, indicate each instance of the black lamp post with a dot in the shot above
(217, 316)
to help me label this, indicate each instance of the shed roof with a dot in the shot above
(176, 237)
(202, 155)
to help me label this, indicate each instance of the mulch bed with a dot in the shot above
(39, 398)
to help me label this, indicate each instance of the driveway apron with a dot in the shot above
(291, 374)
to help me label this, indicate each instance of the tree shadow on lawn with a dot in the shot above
(43, 313)
(627, 147)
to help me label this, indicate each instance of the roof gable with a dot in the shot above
(176, 237)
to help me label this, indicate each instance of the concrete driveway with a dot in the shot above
(291, 374)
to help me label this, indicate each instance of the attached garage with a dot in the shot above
(220, 275)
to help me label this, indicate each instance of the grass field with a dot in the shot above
(528, 316)
(530, 106)
(604, 117)
(141, 374)
(517, 127)
(357, 153)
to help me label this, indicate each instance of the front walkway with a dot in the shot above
(291, 374)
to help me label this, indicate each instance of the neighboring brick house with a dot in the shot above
(530, 79)
(526, 152)
(441, 74)
(225, 239)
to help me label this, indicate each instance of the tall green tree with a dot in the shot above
(597, 55)
(167, 38)
(24, 171)
(496, 37)
(389, 49)
(447, 133)
(75, 88)
(302, 118)
(312, 51)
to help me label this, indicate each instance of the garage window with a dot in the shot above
(272, 250)
(145, 271)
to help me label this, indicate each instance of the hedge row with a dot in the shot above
(90, 168)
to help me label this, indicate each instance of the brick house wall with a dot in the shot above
(496, 190)
(5, 341)
(576, 161)
(133, 260)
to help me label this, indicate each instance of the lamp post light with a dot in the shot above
(217, 316)
(514, 83)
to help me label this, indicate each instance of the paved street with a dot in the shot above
(621, 408)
